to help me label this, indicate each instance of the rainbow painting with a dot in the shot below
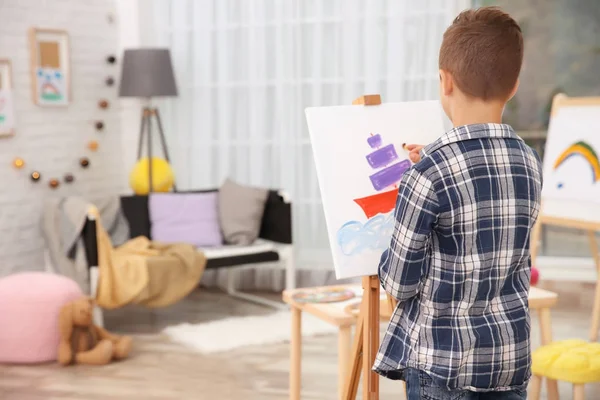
(581, 149)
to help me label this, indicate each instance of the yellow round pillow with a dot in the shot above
(574, 360)
(162, 176)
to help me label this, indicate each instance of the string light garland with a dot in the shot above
(18, 163)
(92, 145)
(69, 178)
(36, 176)
(54, 183)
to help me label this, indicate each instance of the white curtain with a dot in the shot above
(247, 69)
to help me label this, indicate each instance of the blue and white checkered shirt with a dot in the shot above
(459, 261)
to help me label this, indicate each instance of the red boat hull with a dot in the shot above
(380, 203)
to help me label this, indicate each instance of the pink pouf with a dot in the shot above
(29, 306)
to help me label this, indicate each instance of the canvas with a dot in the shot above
(360, 159)
(572, 164)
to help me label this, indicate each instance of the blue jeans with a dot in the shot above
(419, 386)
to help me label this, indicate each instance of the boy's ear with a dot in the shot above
(514, 90)
(446, 82)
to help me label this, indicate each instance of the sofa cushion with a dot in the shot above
(136, 212)
(185, 218)
(241, 210)
(277, 219)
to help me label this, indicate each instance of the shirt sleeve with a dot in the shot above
(403, 263)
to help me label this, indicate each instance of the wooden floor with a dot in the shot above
(162, 370)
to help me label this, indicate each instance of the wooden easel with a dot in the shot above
(559, 101)
(366, 338)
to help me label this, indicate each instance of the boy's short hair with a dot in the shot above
(483, 51)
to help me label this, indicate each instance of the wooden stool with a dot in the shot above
(344, 315)
(575, 361)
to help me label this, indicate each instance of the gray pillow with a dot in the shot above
(241, 210)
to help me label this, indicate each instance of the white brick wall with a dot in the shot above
(52, 140)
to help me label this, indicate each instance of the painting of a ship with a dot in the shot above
(385, 160)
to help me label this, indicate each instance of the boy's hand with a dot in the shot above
(413, 152)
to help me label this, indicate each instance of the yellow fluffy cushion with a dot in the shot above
(575, 361)
(162, 176)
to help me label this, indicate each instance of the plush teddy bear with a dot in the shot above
(85, 343)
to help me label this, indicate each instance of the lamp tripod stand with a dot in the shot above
(146, 130)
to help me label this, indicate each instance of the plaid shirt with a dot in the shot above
(459, 261)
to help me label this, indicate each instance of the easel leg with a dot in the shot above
(353, 377)
(596, 310)
(534, 241)
(370, 337)
(295, 354)
(595, 314)
(344, 356)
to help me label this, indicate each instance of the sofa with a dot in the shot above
(274, 243)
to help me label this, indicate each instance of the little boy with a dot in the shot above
(459, 261)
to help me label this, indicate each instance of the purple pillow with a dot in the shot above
(185, 218)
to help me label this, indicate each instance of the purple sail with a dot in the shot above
(374, 141)
(389, 176)
(382, 157)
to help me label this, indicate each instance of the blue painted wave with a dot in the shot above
(354, 237)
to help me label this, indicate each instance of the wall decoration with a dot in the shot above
(50, 67)
(84, 162)
(571, 160)
(18, 163)
(7, 114)
(110, 81)
(93, 145)
(54, 183)
(99, 125)
(69, 178)
(35, 176)
(103, 104)
(359, 196)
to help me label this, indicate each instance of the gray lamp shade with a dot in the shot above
(147, 73)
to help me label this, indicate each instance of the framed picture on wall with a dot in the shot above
(7, 113)
(50, 67)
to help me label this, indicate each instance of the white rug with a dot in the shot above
(233, 333)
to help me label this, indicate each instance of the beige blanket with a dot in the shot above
(144, 272)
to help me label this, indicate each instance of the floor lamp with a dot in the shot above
(148, 73)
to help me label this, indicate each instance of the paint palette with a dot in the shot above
(323, 295)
